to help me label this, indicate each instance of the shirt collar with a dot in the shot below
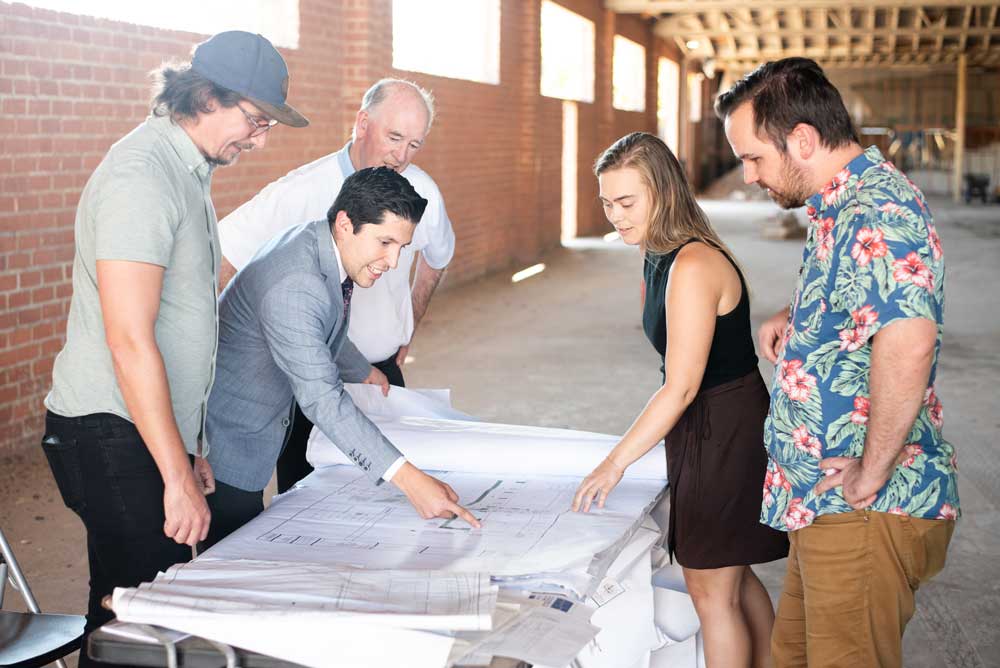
(344, 160)
(182, 144)
(819, 202)
(328, 250)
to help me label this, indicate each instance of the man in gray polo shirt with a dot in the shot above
(127, 406)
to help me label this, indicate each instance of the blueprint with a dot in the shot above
(410, 599)
(435, 437)
(341, 567)
(338, 517)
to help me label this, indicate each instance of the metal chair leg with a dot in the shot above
(16, 576)
(9, 568)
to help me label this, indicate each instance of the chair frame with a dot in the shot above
(11, 570)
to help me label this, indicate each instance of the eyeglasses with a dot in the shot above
(260, 126)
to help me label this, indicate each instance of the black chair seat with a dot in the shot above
(28, 639)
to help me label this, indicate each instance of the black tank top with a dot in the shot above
(732, 353)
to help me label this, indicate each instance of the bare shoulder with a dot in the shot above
(698, 259)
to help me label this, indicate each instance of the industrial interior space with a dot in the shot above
(538, 320)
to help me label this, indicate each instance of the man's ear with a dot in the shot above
(803, 142)
(361, 124)
(342, 225)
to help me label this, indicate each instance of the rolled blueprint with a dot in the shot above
(435, 437)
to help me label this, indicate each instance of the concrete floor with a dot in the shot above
(565, 349)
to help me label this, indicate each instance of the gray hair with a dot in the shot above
(382, 88)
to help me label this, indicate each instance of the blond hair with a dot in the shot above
(675, 217)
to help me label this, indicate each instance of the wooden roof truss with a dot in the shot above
(738, 35)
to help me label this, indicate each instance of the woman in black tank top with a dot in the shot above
(711, 407)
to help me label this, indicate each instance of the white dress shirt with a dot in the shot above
(381, 316)
(398, 464)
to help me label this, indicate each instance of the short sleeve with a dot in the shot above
(137, 216)
(301, 196)
(890, 268)
(437, 230)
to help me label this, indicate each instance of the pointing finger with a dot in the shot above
(465, 515)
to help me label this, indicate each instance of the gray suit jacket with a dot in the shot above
(283, 337)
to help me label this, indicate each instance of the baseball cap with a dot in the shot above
(248, 65)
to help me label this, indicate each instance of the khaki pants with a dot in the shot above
(849, 589)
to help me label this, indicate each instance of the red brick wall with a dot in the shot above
(72, 85)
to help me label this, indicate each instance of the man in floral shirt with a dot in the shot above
(859, 473)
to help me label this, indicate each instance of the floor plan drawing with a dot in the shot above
(339, 517)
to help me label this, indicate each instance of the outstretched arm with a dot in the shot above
(693, 293)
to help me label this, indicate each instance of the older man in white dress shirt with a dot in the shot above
(391, 126)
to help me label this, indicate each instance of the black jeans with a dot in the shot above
(107, 476)
(231, 508)
(292, 464)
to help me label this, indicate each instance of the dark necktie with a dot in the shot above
(347, 288)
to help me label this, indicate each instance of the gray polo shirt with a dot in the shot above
(148, 201)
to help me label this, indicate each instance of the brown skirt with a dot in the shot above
(716, 464)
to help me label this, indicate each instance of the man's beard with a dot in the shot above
(795, 188)
(216, 161)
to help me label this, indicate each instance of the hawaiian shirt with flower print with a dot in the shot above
(872, 257)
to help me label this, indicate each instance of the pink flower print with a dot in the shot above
(776, 478)
(936, 415)
(935, 411)
(837, 186)
(866, 316)
(889, 207)
(824, 238)
(860, 413)
(795, 382)
(898, 510)
(797, 515)
(934, 241)
(947, 512)
(853, 339)
(806, 442)
(811, 211)
(912, 451)
(768, 497)
(869, 244)
(912, 270)
(888, 166)
(954, 461)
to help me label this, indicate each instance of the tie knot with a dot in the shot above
(346, 288)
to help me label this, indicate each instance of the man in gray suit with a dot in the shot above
(283, 324)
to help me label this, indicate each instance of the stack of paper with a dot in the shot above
(309, 613)
(342, 572)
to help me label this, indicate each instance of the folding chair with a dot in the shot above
(32, 638)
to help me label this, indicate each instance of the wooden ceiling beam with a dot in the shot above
(870, 26)
(966, 23)
(893, 27)
(680, 6)
(916, 32)
(796, 21)
(990, 22)
(918, 24)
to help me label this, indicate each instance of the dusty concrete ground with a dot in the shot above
(565, 349)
